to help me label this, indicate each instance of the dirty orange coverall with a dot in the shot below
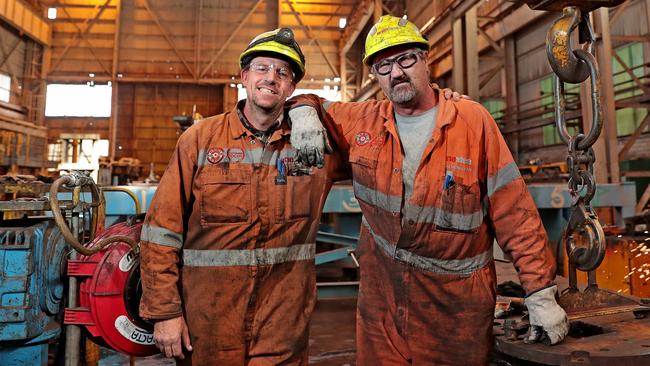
(229, 242)
(428, 284)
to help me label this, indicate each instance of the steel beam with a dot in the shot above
(344, 75)
(604, 58)
(458, 74)
(376, 14)
(643, 201)
(112, 124)
(355, 27)
(471, 53)
(510, 91)
(197, 37)
(518, 19)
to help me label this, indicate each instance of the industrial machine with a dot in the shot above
(103, 287)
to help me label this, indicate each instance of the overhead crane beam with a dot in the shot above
(357, 21)
(311, 36)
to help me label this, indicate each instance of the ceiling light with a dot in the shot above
(342, 22)
(51, 13)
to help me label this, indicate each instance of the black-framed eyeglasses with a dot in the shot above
(405, 61)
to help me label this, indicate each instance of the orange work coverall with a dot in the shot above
(428, 283)
(229, 242)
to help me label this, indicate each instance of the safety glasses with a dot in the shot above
(283, 73)
(405, 61)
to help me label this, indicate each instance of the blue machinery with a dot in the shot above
(33, 253)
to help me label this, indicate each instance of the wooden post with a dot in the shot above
(604, 57)
(509, 89)
(471, 54)
(458, 72)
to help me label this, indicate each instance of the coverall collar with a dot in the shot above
(446, 114)
(240, 126)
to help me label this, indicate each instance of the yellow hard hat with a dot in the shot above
(278, 42)
(392, 31)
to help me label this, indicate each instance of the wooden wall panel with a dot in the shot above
(145, 127)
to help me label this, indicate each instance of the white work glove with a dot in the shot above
(548, 321)
(308, 136)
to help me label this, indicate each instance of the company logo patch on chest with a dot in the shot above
(459, 163)
(235, 154)
(362, 138)
(215, 155)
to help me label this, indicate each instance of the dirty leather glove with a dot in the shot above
(308, 136)
(548, 321)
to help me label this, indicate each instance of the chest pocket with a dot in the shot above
(226, 199)
(459, 209)
(294, 200)
(364, 172)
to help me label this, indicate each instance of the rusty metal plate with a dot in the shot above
(617, 339)
(607, 328)
(558, 5)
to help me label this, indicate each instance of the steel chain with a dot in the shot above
(575, 66)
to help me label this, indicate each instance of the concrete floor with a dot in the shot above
(331, 338)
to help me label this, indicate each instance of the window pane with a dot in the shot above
(5, 87)
(78, 100)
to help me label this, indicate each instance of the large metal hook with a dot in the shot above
(559, 48)
(583, 221)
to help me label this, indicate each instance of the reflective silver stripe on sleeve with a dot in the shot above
(161, 236)
(463, 266)
(248, 257)
(252, 156)
(504, 176)
(373, 197)
(432, 215)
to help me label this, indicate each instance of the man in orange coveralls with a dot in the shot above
(436, 184)
(228, 244)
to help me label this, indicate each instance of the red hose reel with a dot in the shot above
(109, 294)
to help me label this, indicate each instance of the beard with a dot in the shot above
(404, 93)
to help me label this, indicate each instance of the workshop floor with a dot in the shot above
(331, 338)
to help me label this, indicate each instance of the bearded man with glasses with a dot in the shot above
(436, 185)
(228, 243)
